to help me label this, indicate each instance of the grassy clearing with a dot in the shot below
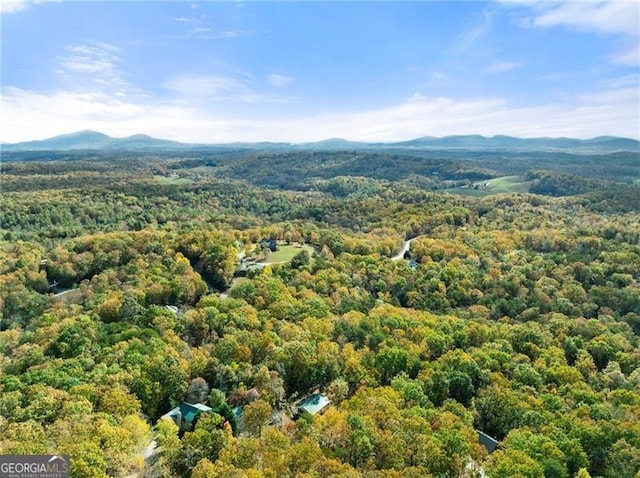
(171, 180)
(636, 181)
(286, 252)
(505, 184)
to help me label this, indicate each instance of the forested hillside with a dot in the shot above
(517, 315)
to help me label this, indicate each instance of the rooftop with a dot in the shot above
(314, 404)
(188, 411)
(488, 442)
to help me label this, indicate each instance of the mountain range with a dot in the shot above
(93, 140)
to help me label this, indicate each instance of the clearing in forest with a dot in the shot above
(171, 180)
(504, 184)
(286, 252)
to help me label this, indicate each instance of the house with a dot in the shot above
(247, 266)
(486, 441)
(269, 243)
(186, 415)
(313, 404)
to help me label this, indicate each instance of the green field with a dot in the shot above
(286, 252)
(504, 184)
(636, 181)
(171, 180)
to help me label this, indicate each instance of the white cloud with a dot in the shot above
(11, 6)
(502, 66)
(473, 30)
(235, 34)
(215, 87)
(621, 82)
(96, 61)
(618, 18)
(197, 30)
(238, 88)
(607, 17)
(200, 26)
(557, 76)
(611, 110)
(279, 81)
(630, 56)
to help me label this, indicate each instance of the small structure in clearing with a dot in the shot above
(269, 244)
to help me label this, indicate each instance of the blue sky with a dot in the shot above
(305, 71)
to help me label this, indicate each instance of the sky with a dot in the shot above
(215, 72)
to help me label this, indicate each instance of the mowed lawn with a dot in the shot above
(170, 180)
(286, 252)
(504, 184)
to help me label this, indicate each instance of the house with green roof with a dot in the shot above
(186, 415)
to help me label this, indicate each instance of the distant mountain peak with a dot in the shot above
(83, 133)
(95, 140)
(504, 142)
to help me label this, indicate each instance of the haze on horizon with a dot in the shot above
(304, 71)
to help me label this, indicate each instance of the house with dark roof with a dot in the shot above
(487, 441)
(270, 244)
(186, 415)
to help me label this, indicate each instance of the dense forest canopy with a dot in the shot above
(514, 314)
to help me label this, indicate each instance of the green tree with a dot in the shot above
(512, 463)
(255, 416)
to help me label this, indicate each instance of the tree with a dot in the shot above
(460, 387)
(301, 259)
(216, 398)
(161, 384)
(197, 391)
(168, 442)
(119, 403)
(303, 455)
(512, 463)
(390, 361)
(623, 460)
(338, 390)
(255, 416)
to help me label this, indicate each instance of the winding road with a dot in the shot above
(405, 247)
